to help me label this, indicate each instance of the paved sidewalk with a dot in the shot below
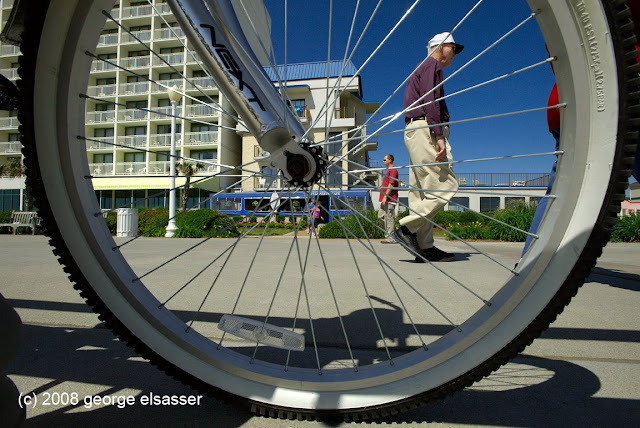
(584, 371)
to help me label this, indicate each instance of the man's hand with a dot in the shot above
(441, 149)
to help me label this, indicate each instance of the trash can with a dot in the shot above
(127, 222)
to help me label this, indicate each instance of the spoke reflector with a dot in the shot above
(261, 332)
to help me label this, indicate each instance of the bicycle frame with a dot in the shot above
(213, 27)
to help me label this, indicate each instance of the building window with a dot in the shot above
(105, 198)
(489, 203)
(105, 107)
(130, 198)
(158, 198)
(169, 76)
(111, 55)
(335, 146)
(174, 49)
(10, 200)
(204, 154)
(106, 81)
(199, 127)
(136, 104)
(459, 203)
(138, 157)
(163, 156)
(299, 106)
(103, 132)
(103, 158)
(140, 28)
(135, 130)
(511, 202)
(166, 129)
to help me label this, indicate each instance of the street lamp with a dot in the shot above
(174, 97)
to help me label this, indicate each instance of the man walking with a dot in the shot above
(426, 139)
(389, 199)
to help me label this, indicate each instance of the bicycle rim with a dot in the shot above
(442, 351)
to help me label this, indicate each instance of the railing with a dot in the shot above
(201, 83)
(167, 34)
(115, 13)
(172, 59)
(7, 4)
(262, 182)
(10, 148)
(98, 169)
(99, 65)
(504, 179)
(108, 40)
(9, 73)
(144, 36)
(169, 83)
(135, 141)
(345, 112)
(101, 116)
(163, 8)
(102, 90)
(100, 143)
(9, 50)
(9, 123)
(131, 168)
(130, 115)
(200, 138)
(134, 88)
(135, 62)
(159, 167)
(200, 110)
(164, 112)
(162, 140)
(136, 11)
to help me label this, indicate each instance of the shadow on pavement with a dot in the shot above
(541, 392)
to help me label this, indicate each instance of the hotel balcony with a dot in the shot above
(201, 83)
(159, 167)
(132, 115)
(101, 116)
(9, 50)
(107, 40)
(100, 143)
(144, 36)
(10, 73)
(171, 59)
(136, 12)
(156, 88)
(134, 88)
(195, 110)
(10, 148)
(160, 113)
(98, 169)
(162, 140)
(135, 62)
(98, 66)
(168, 34)
(9, 123)
(200, 138)
(102, 91)
(131, 168)
(133, 141)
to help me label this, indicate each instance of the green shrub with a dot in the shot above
(358, 225)
(5, 216)
(205, 222)
(153, 222)
(476, 230)
(303, 222)
(112, 222)
(520, 216)
(447, 218)
(237, 218)
(626, 229)
(280, 218)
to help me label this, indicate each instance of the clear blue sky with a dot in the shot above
(308, 35)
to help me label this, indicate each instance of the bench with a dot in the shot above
(23, 219)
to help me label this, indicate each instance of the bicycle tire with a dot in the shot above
(58, 217)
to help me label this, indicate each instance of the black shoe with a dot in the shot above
(402, 235)
(434, 254)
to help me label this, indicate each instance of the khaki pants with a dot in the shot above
(435, 184)
(387, 213)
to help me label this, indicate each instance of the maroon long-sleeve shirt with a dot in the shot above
(424, 79)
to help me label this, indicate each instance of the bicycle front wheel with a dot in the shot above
(330, 327)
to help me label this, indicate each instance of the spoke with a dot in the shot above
(395, 289)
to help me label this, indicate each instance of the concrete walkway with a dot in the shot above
(584, 371)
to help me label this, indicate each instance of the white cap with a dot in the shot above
(442, 38)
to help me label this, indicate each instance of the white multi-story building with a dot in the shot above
(128, 128)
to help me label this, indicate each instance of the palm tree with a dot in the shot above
(187, 169)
